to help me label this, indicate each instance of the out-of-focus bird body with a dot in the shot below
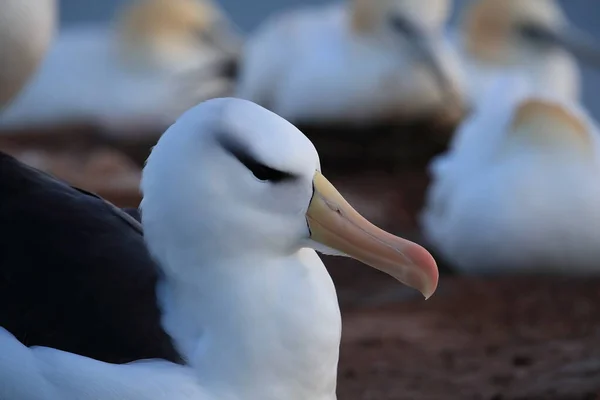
(91, 85)
(340, 63)
(518, 191)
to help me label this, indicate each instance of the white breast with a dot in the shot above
(284, 314)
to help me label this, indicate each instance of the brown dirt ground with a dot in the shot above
(501, 339)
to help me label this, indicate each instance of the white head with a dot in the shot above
(508, 32)
(173, 32)
(231, 180)
(26, 30)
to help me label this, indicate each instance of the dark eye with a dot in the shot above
(265, 173)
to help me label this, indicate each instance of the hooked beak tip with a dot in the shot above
(428, 277)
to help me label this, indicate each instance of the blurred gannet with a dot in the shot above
(518, 191)
(234, 204)
(362, 62)
(531, 37)
(26, 28)
(158, 58)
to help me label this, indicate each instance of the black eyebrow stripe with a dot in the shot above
(249, 161)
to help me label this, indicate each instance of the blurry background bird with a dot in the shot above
(153, 61)
(356, 61)
(530, 37)
(249, 16)
(519, 192)
(23, 48)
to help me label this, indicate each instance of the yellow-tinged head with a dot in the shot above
(172, 31)
(507, 32)
(371, 15)
(547, 125)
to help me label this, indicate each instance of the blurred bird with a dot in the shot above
(158, 58)
(518, 191)
(26, 29)
(530, 37)
(363, 61)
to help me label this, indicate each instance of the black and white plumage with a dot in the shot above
(61, 248)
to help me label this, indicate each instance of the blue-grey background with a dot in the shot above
(248, 13)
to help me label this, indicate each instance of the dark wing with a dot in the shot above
(75, 273)
(133, 213)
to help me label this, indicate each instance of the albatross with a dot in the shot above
(234, 207)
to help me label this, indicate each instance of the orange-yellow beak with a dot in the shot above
(334, 223)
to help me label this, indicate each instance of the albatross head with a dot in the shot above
(173, 32)
(231, 180)
(513, 31)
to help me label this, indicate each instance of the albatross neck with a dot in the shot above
(256, 328)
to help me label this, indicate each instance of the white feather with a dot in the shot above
(42, 373)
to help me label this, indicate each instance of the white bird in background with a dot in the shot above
(234, 202)
(518, 191)
(157, 59)
(531, 37)
(26, 29)
(363, 61)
